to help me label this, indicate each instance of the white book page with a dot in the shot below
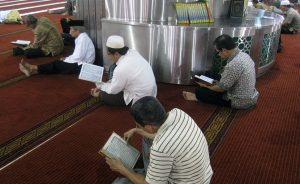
(21, 42)
(204, 78)
(118, 148)
(92, 73)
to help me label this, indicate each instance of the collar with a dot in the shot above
(235, 53)
(121, 58)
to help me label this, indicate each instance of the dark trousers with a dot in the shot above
(34, 53)
(59, 67)
(29, 53)
(288, 30)
(208, 96)
(114, 100)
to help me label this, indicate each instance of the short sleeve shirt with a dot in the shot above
(238, 79)
(179, 153)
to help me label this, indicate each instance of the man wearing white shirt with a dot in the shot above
(84, 52)
(132, 77)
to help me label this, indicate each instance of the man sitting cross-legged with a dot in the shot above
(236, 87)
(84, 52)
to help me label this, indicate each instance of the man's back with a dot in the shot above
(137, 76)
(238, 79)
(182, 148)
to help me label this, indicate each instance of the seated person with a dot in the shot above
(84, 52)
(236, 87)
(10, 16)
(132, 77)
(260, 5)
(291, 23)
(265, 6)
(67, 10)
(184, 159)
(47, 39)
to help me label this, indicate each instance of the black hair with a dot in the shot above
(148, 111)
(121, 51)
(31, 20)
(224, 42)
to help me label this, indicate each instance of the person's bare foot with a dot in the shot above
(189, 96)
(28, 66)
(24, 70)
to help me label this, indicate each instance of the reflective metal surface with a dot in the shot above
(141, 10)
(176, 52)
(219, 8)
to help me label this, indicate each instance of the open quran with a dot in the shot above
(117, 148)
(21, 42)
(90, 72)
(204, 79)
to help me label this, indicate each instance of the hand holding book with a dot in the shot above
(117, 148)
(204, 80)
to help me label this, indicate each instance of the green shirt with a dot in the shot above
(47, 37)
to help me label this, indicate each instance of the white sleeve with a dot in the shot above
(117, 83)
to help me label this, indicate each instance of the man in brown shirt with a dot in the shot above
(47, 39)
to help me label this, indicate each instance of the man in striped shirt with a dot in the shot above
(179, 153)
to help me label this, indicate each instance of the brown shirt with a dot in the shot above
(47, 37)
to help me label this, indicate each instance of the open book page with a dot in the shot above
(90, 72)
(117, 148)
(203, 78)
(21, 42)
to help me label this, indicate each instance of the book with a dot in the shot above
(193, 13)
(21, 42)
(204, 79)
(90, 72)
(117, 148)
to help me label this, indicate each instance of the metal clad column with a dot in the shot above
(100, 13)
(79, 9)
(92, 11)
(92, 20)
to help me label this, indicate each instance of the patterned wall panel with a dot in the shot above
(267, 51)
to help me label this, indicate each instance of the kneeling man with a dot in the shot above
(132, 76)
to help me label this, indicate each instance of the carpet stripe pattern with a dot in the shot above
(42, 131)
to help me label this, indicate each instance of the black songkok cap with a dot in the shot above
(76, 23)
